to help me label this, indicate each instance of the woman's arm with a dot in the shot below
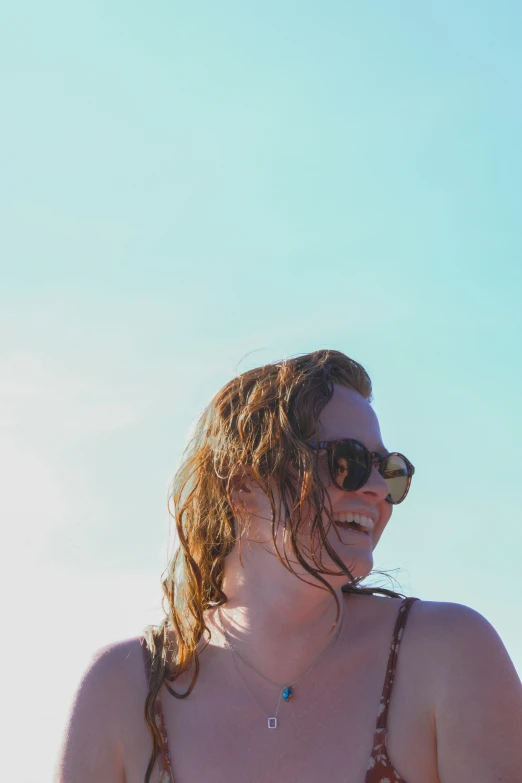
(92, 748)
(478, 701)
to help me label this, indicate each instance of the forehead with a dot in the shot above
(349, 415)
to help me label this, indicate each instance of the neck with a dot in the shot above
(275, 621)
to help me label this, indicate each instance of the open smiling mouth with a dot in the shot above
(359, 523)
(353, 526)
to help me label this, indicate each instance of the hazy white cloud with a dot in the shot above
(42, 412)
(60, 618)
(38, 499)
(37, 397)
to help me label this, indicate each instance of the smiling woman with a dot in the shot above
(273, 662)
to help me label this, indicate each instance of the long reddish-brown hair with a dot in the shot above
(260, 419)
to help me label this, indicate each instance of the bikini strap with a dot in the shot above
(392, 661)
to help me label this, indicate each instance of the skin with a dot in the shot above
(456, 711)
(279, 623)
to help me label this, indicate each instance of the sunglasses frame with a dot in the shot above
(376, 458)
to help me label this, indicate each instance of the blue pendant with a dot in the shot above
(287, 693)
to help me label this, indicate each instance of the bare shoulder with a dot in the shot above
(123, 657)
(111, 667)
(111, 687)
(476, 694)
(452, 629)
(452, 636)
(462, 637)
(115, 670)
(442, 622)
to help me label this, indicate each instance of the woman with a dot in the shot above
(272, 664)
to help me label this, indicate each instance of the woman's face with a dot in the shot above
(346, 415)
(349, 415)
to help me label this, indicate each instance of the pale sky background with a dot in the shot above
(190, 190)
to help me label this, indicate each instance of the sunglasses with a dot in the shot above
(350, 464)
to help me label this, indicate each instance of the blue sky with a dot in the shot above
(192, 190)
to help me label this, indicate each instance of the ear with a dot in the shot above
(240, 489)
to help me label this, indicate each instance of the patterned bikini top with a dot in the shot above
(379, 769)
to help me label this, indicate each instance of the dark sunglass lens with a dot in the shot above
(395, 470)
(349, 465)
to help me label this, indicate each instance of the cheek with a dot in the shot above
(385, 512)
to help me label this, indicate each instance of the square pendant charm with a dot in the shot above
(272, 723)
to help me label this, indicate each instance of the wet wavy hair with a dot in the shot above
(261, 419)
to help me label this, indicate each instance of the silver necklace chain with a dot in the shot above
(272, 720)
(302, 676)
(284, 690)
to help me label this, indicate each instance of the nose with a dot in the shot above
(376, 486)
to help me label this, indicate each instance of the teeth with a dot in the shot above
(365, 522)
